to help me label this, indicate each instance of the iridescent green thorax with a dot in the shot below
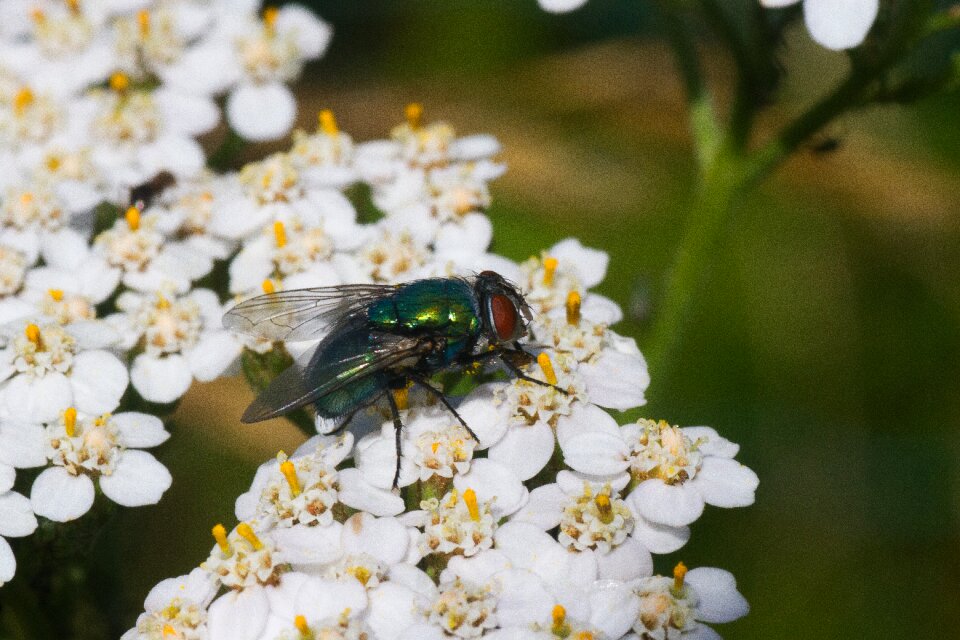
(440, 305)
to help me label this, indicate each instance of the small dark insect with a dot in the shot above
(382, 338)
(143, 194)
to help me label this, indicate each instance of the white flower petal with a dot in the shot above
(596, 453)
(529, 547)
(614, 608)
(213, 354)
(161, 379)
(719, 600)
(61, 497)
(674, 505)
(544, 507)
(392, 610)
(198, 586)
(261, 112)
(38, 399)
(485, 419)
(309, 546)
(525, 450)
(8, 562)
(490, 479)
(561, 6)
(98, 380)
(311, 34)
(361, 495)
(659, 538)
(628, 561)
(238, 615)
(524, 599)
(710, 442)
(140, 430)
(590, 265)
(383, 538)
(319, 599)
(22, 445)
(840, 24)
(8, 475)
(584, 419)
(138, 480)
(16, 516)
(726, 483)
(616, 380)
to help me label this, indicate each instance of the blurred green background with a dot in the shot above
(825, 342)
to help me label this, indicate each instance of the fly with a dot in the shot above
(378, 339)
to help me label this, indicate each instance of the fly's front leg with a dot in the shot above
(398, 429)
(423, 382)
(509, 357)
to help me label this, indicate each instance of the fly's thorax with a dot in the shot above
(445, 306)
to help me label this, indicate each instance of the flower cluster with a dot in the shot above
(534, 514)
(100, 107)
(544, 526)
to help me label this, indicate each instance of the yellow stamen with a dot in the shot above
(300, 622)
(362, 574)
(22, 100)
(290, 473)
(679, 572)
(270, 18)
(245, 532)
(119, 82)
(73, 5)
(328, 124)
(70, 421)
(220, 535)
(56, 294)
(584, 635)
(280, 234)
(162, 302)
(168, 630)
(402, 398)
(26, 197)
(33, 334)
(414, 114)
(544, 361)
(573, 308)
(53, 163)
(101, 420)
(268, 286)
(560, 627)
(38, 15)
(549, 268)
(435, 446)
(603, 506)
(133, 218)
(143, 21)
(470, 498)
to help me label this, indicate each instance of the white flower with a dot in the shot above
(269, 54)
(180, 339)
(136, 245)
(324, 158)
(676, 608)
(83, 448)
(302, 489)
(16, 520)
(835, 24)
(47, 369)
(176, 607)
(675, 471)
(457, 524)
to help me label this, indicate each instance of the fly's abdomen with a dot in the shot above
(353, 392)
(444, 306)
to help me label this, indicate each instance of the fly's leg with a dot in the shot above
(423, 382)
(398, 428)
(507, 355)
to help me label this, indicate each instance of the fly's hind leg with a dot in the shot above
(423, 382)
(398, 429)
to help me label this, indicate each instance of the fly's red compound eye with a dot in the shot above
(503, 314)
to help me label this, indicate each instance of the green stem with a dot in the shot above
(709, 215)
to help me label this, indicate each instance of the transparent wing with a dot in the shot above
(302, 384)
(301, 314)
